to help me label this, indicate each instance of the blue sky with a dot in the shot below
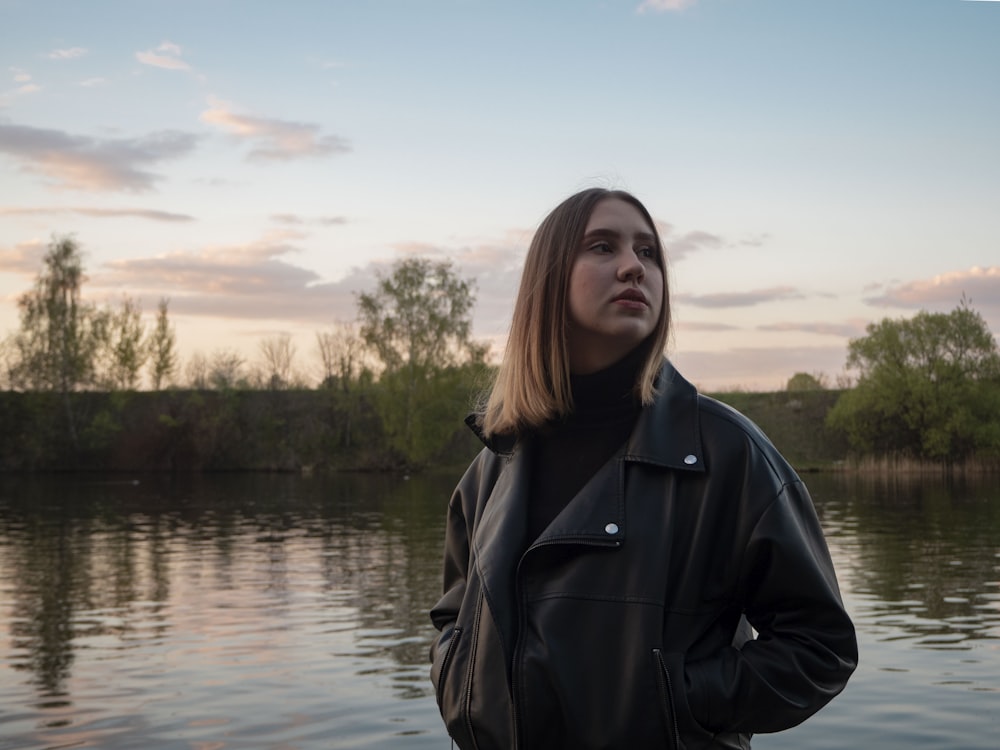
(814, 166)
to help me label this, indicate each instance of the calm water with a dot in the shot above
(290, 612)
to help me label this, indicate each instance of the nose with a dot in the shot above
(631, 267)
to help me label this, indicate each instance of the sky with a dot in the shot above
(813, 167)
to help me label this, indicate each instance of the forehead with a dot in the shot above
(619, 215)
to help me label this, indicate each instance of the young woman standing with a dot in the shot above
(610, 549)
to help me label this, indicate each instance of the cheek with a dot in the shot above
(581, 290)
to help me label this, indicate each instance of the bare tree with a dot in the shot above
(277, 354)
(225, 369)
(196, 371)
(341, 353)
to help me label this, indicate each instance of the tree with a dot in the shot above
(803, 381)
(121, 347)
(928, 387)
(53, 349)
(225, 369)
(418, 323)
(54, 344)
(162, 348)
(341, 355)
(277, 353)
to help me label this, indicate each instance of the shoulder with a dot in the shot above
(478, 480)
(726, 431)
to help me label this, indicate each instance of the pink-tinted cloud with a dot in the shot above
(296, 220)
(86, 163)
(23, 259)
(980, 285)
(847, 329)
(255, 281)
(701, 326)
(167, 56)
(103, 213)
(748, 298)
(274, 139)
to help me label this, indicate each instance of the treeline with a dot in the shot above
(311, 430)
(229, 430)
(395, 384)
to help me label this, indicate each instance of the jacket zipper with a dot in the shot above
(467, 707)
(667, 690)
(456, 633)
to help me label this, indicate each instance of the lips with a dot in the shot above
(632, 295)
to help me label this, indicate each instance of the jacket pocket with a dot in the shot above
(665, 687)
(439, 670)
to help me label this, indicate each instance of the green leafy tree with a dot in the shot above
(54, 347)
(418, 324)
(162, 348)
(803, 381)
(927, 388)
(121, 346)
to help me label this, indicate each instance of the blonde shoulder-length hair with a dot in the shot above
(532, 384)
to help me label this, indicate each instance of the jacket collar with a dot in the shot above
(667, 432)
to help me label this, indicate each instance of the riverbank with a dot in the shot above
(304, 430)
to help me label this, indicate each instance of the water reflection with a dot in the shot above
(924, 555)
(273, 611)
(195, 585)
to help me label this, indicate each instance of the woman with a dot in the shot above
(609, 550)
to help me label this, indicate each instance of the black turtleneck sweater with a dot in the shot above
(567, 453)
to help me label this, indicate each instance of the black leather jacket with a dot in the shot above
(626, 623)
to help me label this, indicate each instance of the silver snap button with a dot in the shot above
(690, 459)
(611, 528)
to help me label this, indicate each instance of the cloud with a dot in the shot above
(296, 220)
(166, 56)
(660, 6)
(696, 326)
(254, 281)
(67, 54)
(109, 213)
(848, 329)
(680, 246)
(944, 291)
(24, 258)
(25, 85)
(86, 163)
(274, 139)
(741, 299)
(92, 82)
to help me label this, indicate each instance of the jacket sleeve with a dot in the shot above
(456, 564)
(806, 646)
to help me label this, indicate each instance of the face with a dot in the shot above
(615, 287)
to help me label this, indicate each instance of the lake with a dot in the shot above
(278, 611)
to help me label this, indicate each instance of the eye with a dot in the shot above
(647, 251)
(602, 247)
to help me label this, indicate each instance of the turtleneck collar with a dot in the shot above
(610, 388)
